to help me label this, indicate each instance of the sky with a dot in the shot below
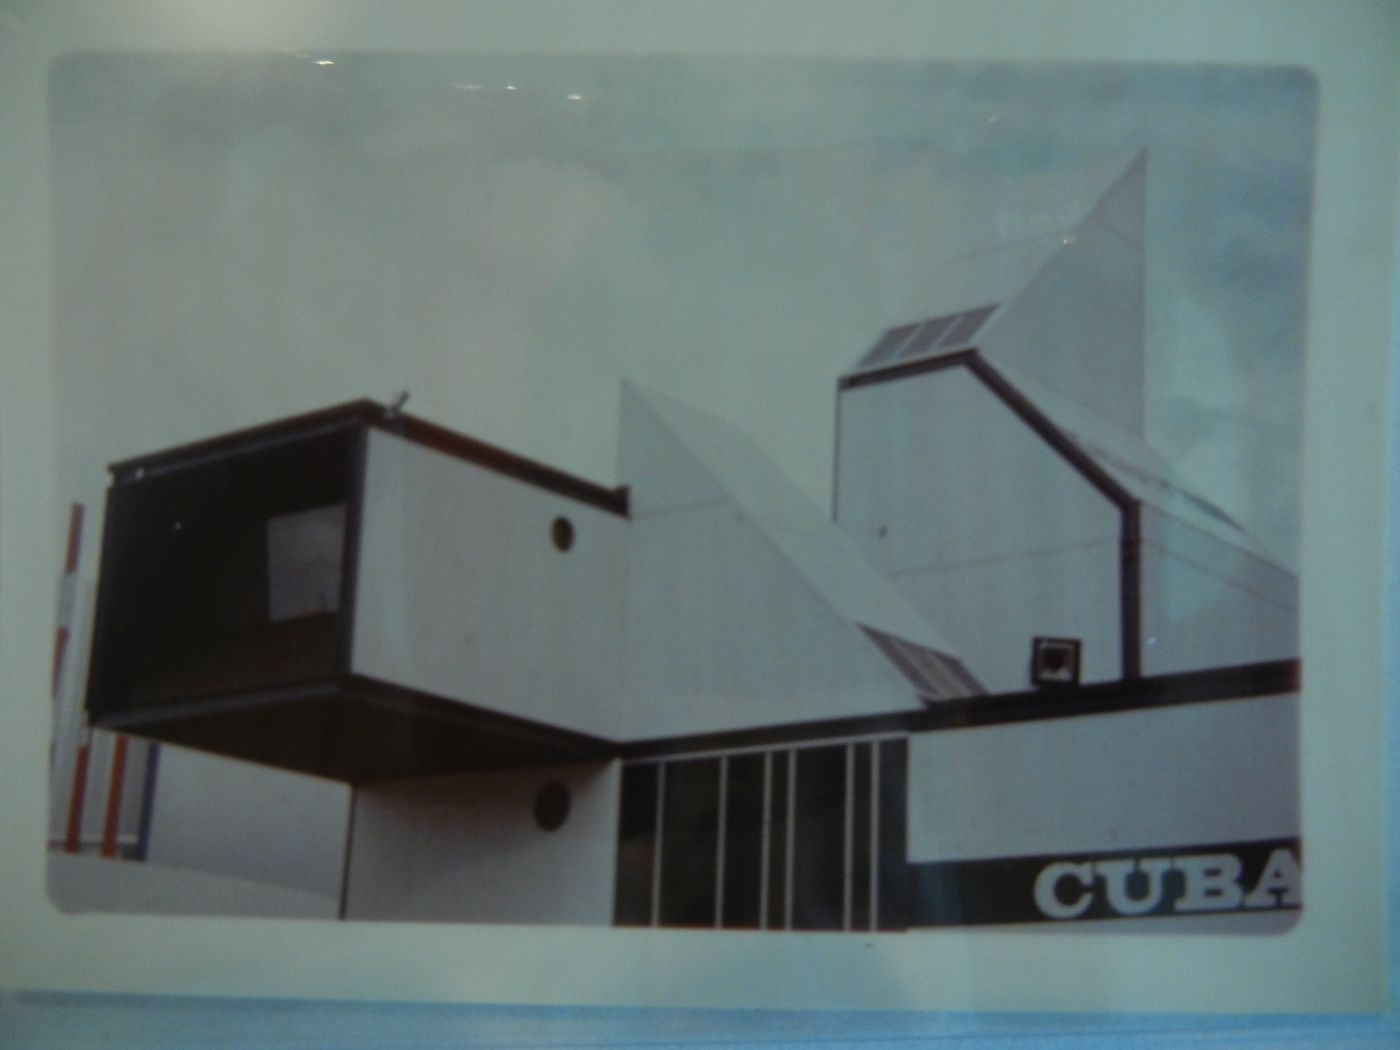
(242, 237)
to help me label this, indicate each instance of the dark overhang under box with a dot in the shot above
(227, 600)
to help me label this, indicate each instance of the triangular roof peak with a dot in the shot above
(1063, 305)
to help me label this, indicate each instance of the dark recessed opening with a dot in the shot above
(552, 806)
(1055, 661)
(223, 576)
(562, 532)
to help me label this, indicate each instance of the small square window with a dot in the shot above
(305, 551)
(1055, 661)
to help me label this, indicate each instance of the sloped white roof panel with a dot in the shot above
(1123, 209)
(827, 558)
(1136, 466)
(995, 274)
(1077, 325)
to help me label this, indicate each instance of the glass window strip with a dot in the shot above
(656, 854)
(932, 674)
(860, 836)
(777, 872)
(966, 677)
(926, 667)
(764, 845)
(722, 830)
(967, 326)
(847, 841)
(889, 345)
(935, 666)
(937, 334)
(926, 337)
(954, 679)
(886, 643)
(791, 844)
(875, 836)
(779, 845)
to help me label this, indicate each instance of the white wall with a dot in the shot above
(467, 849)
(734, 582)
(941, 483)
(724, 633)
(677, 457)
(1208, 604)
(1224, 771)
(462, 593)
(248, 821)
(84, 883)
(993, 609)
(954, 477)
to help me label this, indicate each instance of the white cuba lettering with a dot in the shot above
(1115, 873)
(1047, 883)
(1281, 876)
(1212, 882)
(1138, 886)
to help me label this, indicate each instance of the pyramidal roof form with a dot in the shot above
(826, 557)
(1060, 314)
(1059, 300)
(1009, 227)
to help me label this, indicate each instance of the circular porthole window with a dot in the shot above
(562, 532)
(552, 806)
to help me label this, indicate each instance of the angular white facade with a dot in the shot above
(977, 518)
(997, 454)
(463, 593)
(470, 849)
(745, 606)
(696, 699)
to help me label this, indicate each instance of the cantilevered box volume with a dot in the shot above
(244, 610)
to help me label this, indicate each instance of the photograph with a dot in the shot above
(679, 492)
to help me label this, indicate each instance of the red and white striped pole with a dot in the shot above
(63, 631)
(114, 797)
(91, 757)
(73, 839)
(67, 595)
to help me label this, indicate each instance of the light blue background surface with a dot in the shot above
(93, 1021)
(83, 1020)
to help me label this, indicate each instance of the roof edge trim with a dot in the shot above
(365, 413)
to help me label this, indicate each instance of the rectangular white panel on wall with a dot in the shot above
(248, 821)
(464, 590)
(480, 847)
(1224, 771)
(988, 529)
(1207, 603)
(936, 470)
(993, 610)
(724, 632)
